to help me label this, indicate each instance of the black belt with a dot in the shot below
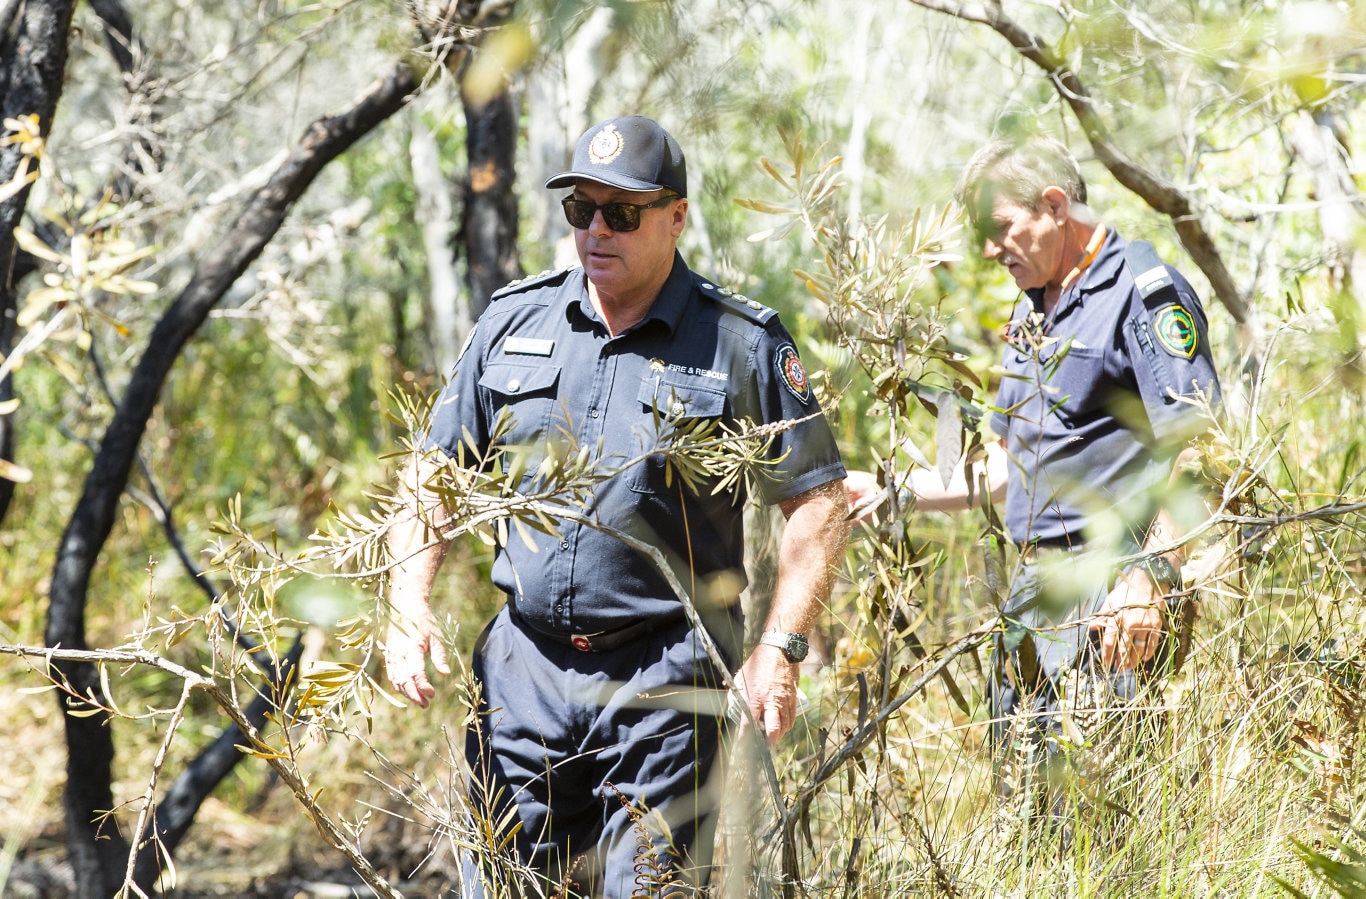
(601, 641)
(1029, 552)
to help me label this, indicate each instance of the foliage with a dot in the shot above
(1346, 875)
(278, 415)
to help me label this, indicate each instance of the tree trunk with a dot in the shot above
(31, 80)
(450, 319)
(98, 853)
(489, 217)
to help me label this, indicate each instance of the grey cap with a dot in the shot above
(631, 152)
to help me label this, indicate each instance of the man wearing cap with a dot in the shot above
(1108, 376)
(601, 717)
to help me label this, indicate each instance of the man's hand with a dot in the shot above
(410, 639)
(863, 491)
(1131, 623)
(809, 557)
(768, 682)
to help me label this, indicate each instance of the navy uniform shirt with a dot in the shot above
(541, 352)
(1089, 405)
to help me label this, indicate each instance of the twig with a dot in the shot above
(149, 795)
(861, 737)
(283, 766)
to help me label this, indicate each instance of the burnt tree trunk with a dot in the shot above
(99, 853)
(489, 218)
(34, 61)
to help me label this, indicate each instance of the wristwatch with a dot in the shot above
(1164, 574)
(794, 646)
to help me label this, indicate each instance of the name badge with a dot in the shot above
(528, 346)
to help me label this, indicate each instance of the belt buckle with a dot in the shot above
(581, 642)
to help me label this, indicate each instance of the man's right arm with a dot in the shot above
(417, 551)
(930, 491)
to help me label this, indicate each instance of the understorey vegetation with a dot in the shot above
(247, 244)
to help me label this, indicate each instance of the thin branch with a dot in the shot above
(329, 829)
(177, 718)
(175, 813)
(1153, 189)
(870, 728)
(108, 656)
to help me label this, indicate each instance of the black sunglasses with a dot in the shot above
(618, 216)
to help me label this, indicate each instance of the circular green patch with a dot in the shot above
(1176, 331)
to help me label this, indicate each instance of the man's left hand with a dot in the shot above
(768, 682)
(1131, 623)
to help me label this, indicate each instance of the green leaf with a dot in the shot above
(948, 437)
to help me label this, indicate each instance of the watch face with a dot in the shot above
(1163, 573)
(797, 647)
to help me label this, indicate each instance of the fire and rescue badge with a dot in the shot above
(606, 146)
(791, 373)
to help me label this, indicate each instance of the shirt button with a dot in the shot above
(676, 408)
(514, 385)
(564, 545)
(559, 607)
(593, 413)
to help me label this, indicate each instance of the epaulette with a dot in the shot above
(1151, 277)
(734, 302)
(547, 277)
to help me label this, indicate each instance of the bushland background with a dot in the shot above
(241, 242)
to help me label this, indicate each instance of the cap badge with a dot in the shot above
(606, 146)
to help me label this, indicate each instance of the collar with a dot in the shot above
(1098, 269)
(1092, 248)
(667, 309)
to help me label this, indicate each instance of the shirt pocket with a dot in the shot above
(666, 405)
(1077, 386)
(527, 392)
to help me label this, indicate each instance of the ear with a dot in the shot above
(680, 217)
(1056, 203)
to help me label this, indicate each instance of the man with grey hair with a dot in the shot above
(1108, 376)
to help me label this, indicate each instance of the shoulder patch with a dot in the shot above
(1176, 331)
(736, 303)
(544, 279)
(791, 373)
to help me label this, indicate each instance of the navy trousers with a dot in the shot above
(605, 764)
(1052, 701)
